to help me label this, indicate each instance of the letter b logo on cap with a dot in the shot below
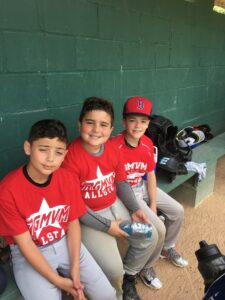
(140, 104)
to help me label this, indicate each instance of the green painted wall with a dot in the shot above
(54, 53)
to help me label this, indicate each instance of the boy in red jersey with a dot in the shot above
(138, 155)
(98, 165)
(40, 204)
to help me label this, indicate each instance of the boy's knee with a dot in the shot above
(151, 242)
(146, 243)
(180, 211)
(155, 236)
(177, 214)
(161, 232)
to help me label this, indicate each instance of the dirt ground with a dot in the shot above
(205, 222)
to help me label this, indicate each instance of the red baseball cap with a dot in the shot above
(137, 105)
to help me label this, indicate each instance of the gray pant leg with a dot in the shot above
(139, 249)
(174, 213)
(34, 286)
(141, 194)
(97, 286)
(103, 248)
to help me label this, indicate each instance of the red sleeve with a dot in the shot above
(11, 221)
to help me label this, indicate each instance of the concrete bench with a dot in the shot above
(184, 186)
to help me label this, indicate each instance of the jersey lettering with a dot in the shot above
(135, 171)
(48, 217)
(136, 166)
(99, 187)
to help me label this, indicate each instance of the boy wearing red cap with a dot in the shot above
(138, 155)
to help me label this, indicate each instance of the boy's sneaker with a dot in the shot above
(129, 288)
(174, 257)
(150, 279)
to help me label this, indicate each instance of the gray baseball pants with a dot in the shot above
(33, 286)
(173, 212)
(105, 250)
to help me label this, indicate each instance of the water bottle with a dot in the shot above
(211, 263)
(137, 229)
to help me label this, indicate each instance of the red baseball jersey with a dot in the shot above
(97, 174)
(137, 161)
(43, 210)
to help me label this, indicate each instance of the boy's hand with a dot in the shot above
(115, 229)
(139, 216)
(79, 289)
(67, 285)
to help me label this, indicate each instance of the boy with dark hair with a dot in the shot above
(138, 155)
(40, 204)
(109, 199)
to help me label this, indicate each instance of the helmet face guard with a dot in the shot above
(193, 136)
(189, 137)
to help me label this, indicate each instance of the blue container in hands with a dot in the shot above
(137, 229)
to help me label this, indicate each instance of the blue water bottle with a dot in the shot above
(137, 229)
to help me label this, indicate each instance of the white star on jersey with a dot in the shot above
(101, 179)
(100, 186)
(47, 216)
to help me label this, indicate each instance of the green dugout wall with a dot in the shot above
(55, 53)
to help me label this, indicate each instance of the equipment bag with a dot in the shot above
(171, 157)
